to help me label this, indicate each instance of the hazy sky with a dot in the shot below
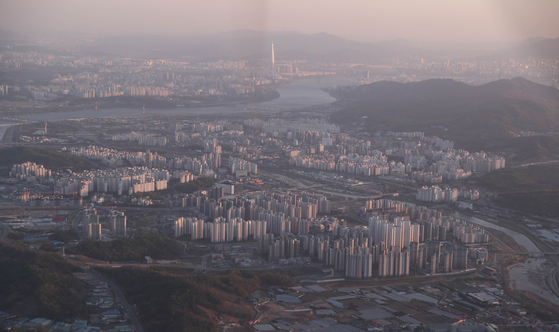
(452, 20)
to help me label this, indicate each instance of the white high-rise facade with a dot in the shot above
(273, 57)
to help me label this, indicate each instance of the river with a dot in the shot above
(519, 238)
(527, 276)
(297, 94)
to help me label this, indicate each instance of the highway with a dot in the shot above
(121, 297)
(5, 231)
(553, 284)
(76, 223)
(539, 163)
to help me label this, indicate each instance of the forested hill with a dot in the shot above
(39, 284)
(129, 249)
(169, 300)
(49, 158)
(492, 110)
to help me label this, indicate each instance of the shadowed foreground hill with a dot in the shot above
(38, 284)
(470, 113)
(169, 300)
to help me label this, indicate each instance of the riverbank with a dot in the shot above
(81, 104)
(295, 95)
(534, 275)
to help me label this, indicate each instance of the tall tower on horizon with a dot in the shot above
(273, 60)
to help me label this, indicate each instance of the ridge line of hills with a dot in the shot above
(466, 113)
(290, 45)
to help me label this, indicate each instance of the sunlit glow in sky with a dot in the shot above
(444, 20)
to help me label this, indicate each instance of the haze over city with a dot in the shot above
(252, 165)
(430, 20)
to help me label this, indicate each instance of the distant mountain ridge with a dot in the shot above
(250, 45)
(537, 48)
(290, 45)
(489, 111)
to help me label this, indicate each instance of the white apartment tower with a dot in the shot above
(120, 225)
(94, 231)
(273, 57)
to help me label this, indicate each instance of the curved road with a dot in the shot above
(5, 231)
(121, 297)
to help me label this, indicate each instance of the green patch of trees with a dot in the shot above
(271, 279)
(198, 184)
(174, 302)
(45, 278)
(15, 236)
(235, 282)
(169, 300)
(64, 236)
(128, 249)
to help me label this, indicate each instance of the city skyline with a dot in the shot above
(259, 165)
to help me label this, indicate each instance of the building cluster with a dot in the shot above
(426, 159)
(283, 247)
(203, 166)
(116, 158)
(239, 166)
(120, 181)
(235, 220)
(370, 165)
(99, 77)
(390, 248)
(385, 248)
(30, 172)
(212, 146)
(392, 243)
(426, 176)
(142, 139)
(312, 144)
(436, 194)
(117, 223)
(112, 157)
(479, 255)
(220, 230)
(204, 127)
(433, 223)
(6, 89)
(439, 143)
(198, 132)
(448, 163)
(399, 236)
(305, 126)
